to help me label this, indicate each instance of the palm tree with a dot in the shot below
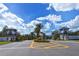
(64, 31)
(5, 27)
(37, 29)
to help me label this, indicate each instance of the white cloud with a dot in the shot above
(32, 23)
(46, 26)
(11, 20)
(50, 6)
(52, 18)
(72, 24)
(53, 22)
(3, 8)
(63, 6)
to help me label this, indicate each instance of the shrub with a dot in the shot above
(40, 40)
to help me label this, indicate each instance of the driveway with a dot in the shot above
(22, 49)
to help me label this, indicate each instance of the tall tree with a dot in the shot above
(55, 34)
(5, 27)
(4, 30)
(38, 28)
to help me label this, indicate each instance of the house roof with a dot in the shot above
(11, 29)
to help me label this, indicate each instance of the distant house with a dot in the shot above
(73, 37)
(8, 34)
(64, 33)
(64, 37)
(70, 37)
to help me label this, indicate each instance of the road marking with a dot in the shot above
(47, 45)
(66, 46)
(31, 46)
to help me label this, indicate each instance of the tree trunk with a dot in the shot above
(37, 34)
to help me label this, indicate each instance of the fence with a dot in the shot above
(76, 37)
(7, 38)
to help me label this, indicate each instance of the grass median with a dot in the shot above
(2, 43)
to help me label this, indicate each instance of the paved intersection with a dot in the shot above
(22, 49)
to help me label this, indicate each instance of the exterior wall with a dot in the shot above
(61, 36)
(7, 38)
(3, 38)
(69, 37)
(8, 34)
(64, 37)
(73, 37)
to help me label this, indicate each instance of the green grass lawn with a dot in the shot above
(2, 43)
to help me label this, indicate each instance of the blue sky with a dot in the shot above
(30, 11)
(51, 15)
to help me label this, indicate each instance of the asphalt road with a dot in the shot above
(22, 49)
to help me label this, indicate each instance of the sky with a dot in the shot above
(53, 16)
